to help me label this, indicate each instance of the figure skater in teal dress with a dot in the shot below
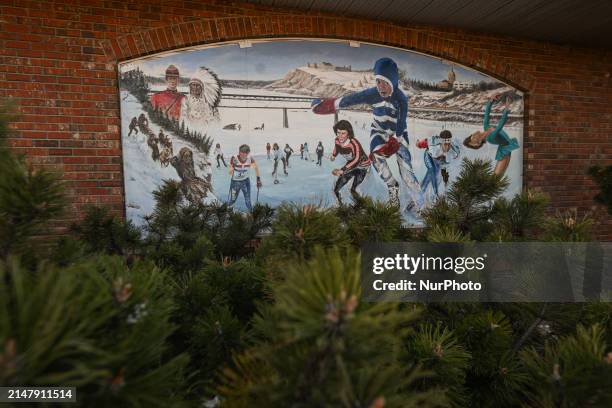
(495, 135)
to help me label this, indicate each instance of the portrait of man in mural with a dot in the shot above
(169, 100)
(389, 134)
(199, 107)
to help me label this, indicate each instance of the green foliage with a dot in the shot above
(496, 376)
(568, 227)
(575, 371)
(319, 346)
(29, 197)
(520, 217)
(104, 233)
(298, 230)
(467, 205)
(438, 350)
(367, 220)
(96, 325)
(446, 233)
(182, 235)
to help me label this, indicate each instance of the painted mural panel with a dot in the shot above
(311, 122)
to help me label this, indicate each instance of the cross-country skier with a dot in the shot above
(306, 152)
(495, 135)
(302, 151)
(357, 161)
(239, 171)
(388, 135)
(219, 155)
(440, 151)
(320, 150)
(268, 147)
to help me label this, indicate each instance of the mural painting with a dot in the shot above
(311, 122)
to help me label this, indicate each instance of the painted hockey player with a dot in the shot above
(440, 151)
(495, 135)
(357, 161)
(194, 188)
(388, 134)
(199, 108)
(239, 171)
(168, 101)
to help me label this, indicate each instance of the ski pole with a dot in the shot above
(257, 198)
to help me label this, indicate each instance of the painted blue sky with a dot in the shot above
(272, 60)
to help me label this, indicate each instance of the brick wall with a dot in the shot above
(58, 59)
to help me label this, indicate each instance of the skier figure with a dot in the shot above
(495, 135)
(288, 151)
(219, 155)
(302, 151)
(440, 151)
(268, 147)
(320, 151)
(278, 156)
(133, 126)
(306, 152)
(239, 171)
(357, 161)
(388, 134)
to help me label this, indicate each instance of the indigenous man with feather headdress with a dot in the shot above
(199, 108)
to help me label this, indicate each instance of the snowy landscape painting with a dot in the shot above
(311, 121)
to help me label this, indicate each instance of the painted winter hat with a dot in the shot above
(172, 71)
(386, 70)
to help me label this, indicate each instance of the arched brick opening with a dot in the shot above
(209, 31)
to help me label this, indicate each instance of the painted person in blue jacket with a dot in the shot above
(495, 135)
(388, 133)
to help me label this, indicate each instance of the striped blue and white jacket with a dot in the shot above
(389, 114)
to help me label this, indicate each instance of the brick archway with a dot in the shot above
(216, 30)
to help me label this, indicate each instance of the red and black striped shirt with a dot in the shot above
(352, 151)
